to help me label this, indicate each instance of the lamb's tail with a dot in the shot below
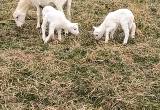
(132, 21)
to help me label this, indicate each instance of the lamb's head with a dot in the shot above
(19, 18)
(97, 33)
(73, 28)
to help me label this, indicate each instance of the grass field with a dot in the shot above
(80, 73)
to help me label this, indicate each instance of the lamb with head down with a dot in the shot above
(57, 21)
(122, 17)
(24, 5)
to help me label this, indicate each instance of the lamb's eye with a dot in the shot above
(75, 29)
(16, 17)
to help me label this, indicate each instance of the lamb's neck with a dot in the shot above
(67, 24)
(23, 6)
(102, 27)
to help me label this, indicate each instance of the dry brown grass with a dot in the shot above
(80, 73)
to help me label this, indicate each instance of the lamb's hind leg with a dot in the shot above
(125, 28)
(43, 27)
(69, 2)
(59, 35)
(51, 33)
(133, 30)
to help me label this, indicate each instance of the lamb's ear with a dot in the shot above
(90, 32)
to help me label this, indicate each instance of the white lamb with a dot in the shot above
(24, 5)
(57, 21)
(123, 17)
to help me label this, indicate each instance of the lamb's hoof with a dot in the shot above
(60, 40)
(133, 37)
(45, 41)
(112, 38)
(38, 27)
(53, 39)
(43, 38)
(124, 44)
(40, 31)
(106, 42)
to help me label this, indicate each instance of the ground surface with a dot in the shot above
(80, 73)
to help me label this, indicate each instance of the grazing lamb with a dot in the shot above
(24, 5)
(123, 17)
(57, 21)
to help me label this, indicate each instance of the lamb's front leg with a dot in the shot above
(113, 29)
(107, 36)
(60, 7)
(59, 35)
(133, 30)
(112, 33)
(38, 17)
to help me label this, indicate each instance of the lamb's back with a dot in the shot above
(119, 15)
(47, 2)
(51, 14)
(124, 13)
